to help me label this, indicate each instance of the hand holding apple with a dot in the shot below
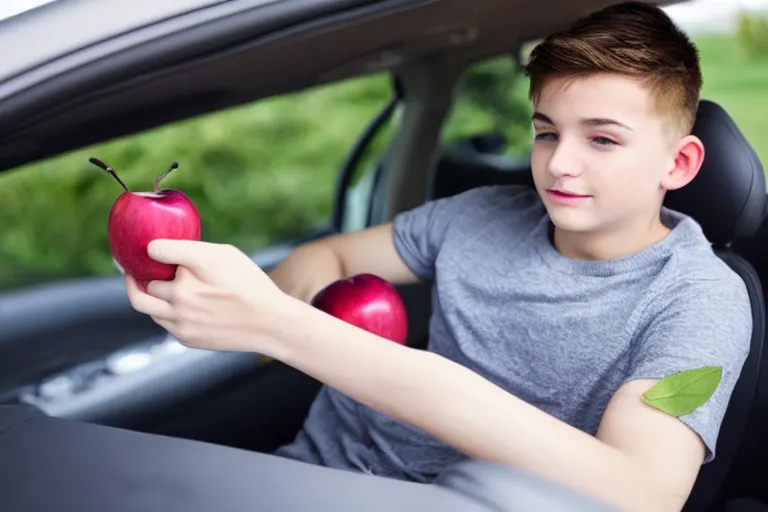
(137, 218)
(219, 299)
(368, 302)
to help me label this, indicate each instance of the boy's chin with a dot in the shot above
(573, 222)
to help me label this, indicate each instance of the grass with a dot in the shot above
(265, 172)
(739, 83)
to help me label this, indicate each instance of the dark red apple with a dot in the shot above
(368, 302)
(137, 218)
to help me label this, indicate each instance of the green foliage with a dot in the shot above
(259, 174)
(684, 392)
(493, 98)
(752, 33)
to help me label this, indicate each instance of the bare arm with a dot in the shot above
(312, 266)
(641, 459)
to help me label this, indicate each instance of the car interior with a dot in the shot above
(83, 373)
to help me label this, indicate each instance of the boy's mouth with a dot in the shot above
(563, 194)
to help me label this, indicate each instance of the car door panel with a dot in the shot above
(78, 350)
(51, 327)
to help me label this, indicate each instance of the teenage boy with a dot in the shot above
(554, 309)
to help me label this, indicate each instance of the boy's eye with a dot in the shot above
(601, 141)
(604, 141)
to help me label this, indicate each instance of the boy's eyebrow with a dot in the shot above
(538, 116)
(603, 121)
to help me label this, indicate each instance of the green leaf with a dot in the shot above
(683, 392)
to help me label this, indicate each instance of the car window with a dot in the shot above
(491, 112)
(364, 192)
(260, 174)
(734, 64)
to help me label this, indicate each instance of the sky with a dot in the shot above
(692, 16)
(711, 15)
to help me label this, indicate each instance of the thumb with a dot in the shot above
(187, 253)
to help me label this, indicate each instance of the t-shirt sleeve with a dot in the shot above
(708, 323)
(419, 233)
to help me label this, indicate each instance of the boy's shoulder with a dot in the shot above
(420, 234)
(696, 281)
(703, 288)
(696, 266)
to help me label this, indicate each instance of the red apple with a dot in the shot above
(368, 302)
(137, 218)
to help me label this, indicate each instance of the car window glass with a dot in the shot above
(365, 188)
(491, 112)
(734, 64)
(260, 174)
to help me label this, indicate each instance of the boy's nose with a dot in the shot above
(564, 162)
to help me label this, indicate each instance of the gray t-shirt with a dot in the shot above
(559, 333)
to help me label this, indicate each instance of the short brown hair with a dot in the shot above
(632, 39)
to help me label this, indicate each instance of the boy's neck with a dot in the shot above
(608, 245)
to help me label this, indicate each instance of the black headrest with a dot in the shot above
(728, 196)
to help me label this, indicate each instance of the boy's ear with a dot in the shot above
(688, 157)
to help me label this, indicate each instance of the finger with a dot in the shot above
(173, 329)
(162, 290)
(192, 254)
(145, 303)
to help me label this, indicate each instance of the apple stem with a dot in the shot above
(174, 165)
(111, 171)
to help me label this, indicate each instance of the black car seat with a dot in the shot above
(727, 198)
